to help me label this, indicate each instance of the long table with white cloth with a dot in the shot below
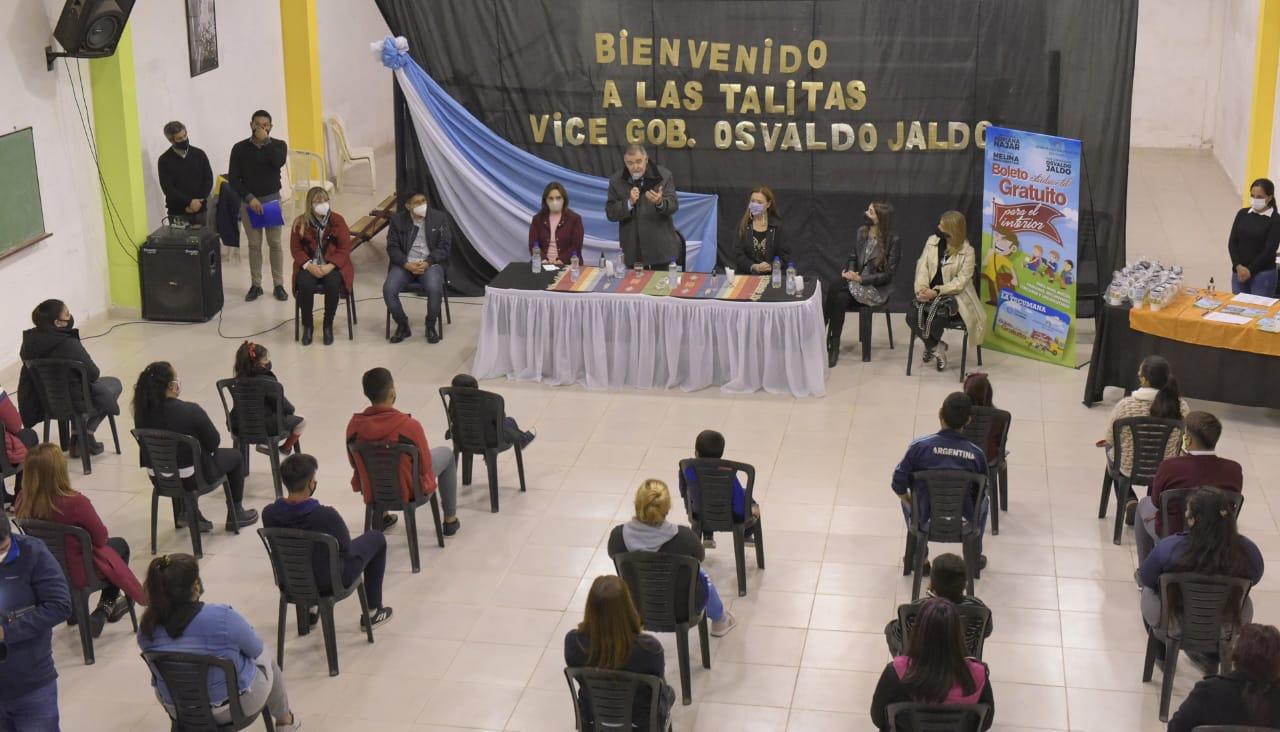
(610, 340)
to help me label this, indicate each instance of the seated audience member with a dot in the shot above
(1157, 396)
(17, 440)
(650, 531)
(419, 240)
(935, 669)
(364, 555)
(947, 579)
(760, 237)
(253, 360)
(946, 449)
(382, 422)
(610, 637)
(1248, 695)
(1210, 544)
(34, 600)
(49, 496)
(55, 336)
(556, 230)
(156, 406)
(320, 243)
(176, 621)
(1198, 467)
(511, 431)
(710, 444)
(867, 275)
(978, 388)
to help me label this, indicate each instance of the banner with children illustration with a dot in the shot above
(1030, 225)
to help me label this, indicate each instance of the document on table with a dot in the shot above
(1228, 318)
(1248, 299)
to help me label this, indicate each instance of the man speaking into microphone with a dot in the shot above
(642, 199)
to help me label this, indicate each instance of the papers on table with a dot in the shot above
(1207, 303)
(550, 267)
(1228, 318)
(1247, 299)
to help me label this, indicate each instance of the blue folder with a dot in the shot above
(271, 216)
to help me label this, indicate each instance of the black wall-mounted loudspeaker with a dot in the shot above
(89, 28)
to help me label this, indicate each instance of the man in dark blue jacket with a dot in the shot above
(419, 240)
(33, 598)
(946, 449)
(365, 554)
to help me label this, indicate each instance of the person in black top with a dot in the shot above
(1248, 695)
(156, 406)
(253, 360)
(1255, 236)
(947, 579)
(366, 554)
(867, 277)
(419, 240)
(55, 336)
(760, 236)
(610, 637)
(185, 177)
(254, 174)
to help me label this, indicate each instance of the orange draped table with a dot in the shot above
(1181, 320)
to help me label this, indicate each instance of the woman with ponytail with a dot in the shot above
(176, 621)
(156, 406)
(253, 360)
(1157, 396)
(1248, 695)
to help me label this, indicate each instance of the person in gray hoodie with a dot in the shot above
(650, 531)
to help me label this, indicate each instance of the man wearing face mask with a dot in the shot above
(642, 199)
(419, 240)
(254, 174)
(55, 336)
(185, 177)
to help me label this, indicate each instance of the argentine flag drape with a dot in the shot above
(493, 188)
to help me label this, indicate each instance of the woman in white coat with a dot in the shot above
(944, 289)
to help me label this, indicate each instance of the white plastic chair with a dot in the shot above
(347, 155)
(304, 164)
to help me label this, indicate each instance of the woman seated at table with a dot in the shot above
(1255, 236)
(760, 236)
(867, 277)
(321, 247)
(944, 289)
(556, 230)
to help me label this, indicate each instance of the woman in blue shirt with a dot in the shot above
(176, 621)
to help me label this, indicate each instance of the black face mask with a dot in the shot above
(940, 234)
(182, 145)
(866, 219)
(71, 323)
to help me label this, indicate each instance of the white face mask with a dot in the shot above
(1258, 204)
(554, 205)
(420, 210)
(321, 209)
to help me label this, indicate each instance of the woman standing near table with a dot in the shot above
(760, 235)
(1255, 236)
(556, 230)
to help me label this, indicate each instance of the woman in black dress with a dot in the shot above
(867, 277)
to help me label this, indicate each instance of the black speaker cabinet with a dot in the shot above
(91, 28)
(180, 271)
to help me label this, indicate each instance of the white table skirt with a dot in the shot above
(608, 341)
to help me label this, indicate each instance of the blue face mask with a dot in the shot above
(755, 208)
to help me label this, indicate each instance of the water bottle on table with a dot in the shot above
(535, 259)
(673, 277)
(574, 266)
(775, 274)
(791, 278)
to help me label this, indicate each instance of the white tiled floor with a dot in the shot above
(477, 637)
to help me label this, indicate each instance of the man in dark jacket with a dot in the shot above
(254, 174)
(418, 244)
(366, 554)
(642, 199)
(185, 177)
(33, 599)
(55, 336)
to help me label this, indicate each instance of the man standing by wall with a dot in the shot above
(254, 173)
(642, 199)
(185, 177)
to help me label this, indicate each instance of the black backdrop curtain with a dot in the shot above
(1062, 67)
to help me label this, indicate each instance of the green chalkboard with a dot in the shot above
(21, 214)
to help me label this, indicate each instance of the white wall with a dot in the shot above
(354, 84)
(1175, 76)
(70, 265)
(1235, 86)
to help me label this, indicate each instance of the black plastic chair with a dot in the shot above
(715, 512)
(1150, 438)
(160, 450)
(253, 421)
(610, 697)
(348, 301)
(915, 717)
(7, 471)
(1207, 610)
(973, 617)
(475, 427)
(947, 491)
(1173, 502)
(63, 388)
(381, 462)
(54, 536)
(983, 422)
(186, 676)
(417, 290)
(293, 553)
(954, 324)
(866, 316)
(663, 587)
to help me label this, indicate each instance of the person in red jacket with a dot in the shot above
(17, 440)
(321, 246)
(1198, 467)
(382, 422)
(556, 230)
(48, 496)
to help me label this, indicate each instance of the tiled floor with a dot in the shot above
(477, 637)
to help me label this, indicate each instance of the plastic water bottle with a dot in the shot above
(673, 277)
(536, 260)
(602, 267)
(1213, 289)
(573, 265)
(775, 274)
(791, 278)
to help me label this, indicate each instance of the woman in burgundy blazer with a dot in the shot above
(556, 216)
(320, 243)
(47, 496)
